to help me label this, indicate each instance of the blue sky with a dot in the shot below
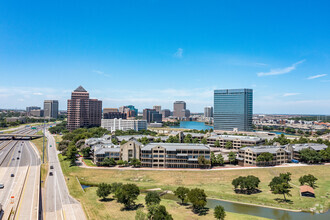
(154, 52)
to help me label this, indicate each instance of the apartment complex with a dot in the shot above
(233, 109)
(208, 112)
(83, 111)
(247, 156)
(50, 108)
(179, 110)
(124, 124)
(236, 140)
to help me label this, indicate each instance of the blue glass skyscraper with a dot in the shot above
(233, 109)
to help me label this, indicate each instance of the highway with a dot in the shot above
(20, 174)
(59, 203)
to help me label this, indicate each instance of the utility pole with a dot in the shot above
(43, 143)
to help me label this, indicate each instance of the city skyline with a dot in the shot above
(283, 57)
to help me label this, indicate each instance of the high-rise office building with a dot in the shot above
(166, 113)
(233, 109)
(130, 111)
(151, 115)
(158, 108)
(208, 111)
(179, 110)
(50, 108)
(82, 111)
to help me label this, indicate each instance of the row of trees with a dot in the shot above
(110, 162)
(278, 185)
(127, 194)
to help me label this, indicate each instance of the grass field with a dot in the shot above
(96, 209)
(44, 166)
(217, 184)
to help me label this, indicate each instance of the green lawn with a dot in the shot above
(217, 184)
(44, 166)
(96, 209)
(89, 162)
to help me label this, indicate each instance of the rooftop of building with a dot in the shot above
(233, 137)
(314, 146)
(264, 149)
(80, 89)
(176, 146)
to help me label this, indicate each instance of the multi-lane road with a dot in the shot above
(59, 203)
(20, 174)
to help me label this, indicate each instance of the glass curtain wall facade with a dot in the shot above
(233, 109)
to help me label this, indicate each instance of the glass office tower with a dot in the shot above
(233, 109)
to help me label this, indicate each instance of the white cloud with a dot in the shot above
(280, 71)
(179, 53)
(261, 64)
(290, 94)
(317, 76)
(101, 73)
(37, 93)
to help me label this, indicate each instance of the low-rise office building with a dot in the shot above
(296, 148)
(247, 156)
(124, 124)
(237, 141)
(173, 155)
(102, 151)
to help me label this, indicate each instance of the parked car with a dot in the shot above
(17, 158)
(2, 186)
(12, 175)
(50, 173)
(51, 167)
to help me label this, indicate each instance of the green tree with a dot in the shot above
(325, 154)
(310, 156)
(135, 162)
(127, 195)
(158, 212)
(181, 193)
(187, 138)
(217, 143)
(265, 157)
(115, 187)
(280, 185)
(229, 145)
(309, 180)
(198, 199)
(247, 184)
(86, 151)
(204, 141)
(203, 162)
(108, 162)
(219, 212)
(213, 159)
(231, 157)
(103, 190)
(123, 142)
(140, 215)
(144, 140)
(220, 159)
(114, 141)
(120, 162)
(152, 198)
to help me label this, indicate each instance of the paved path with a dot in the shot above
(83, 165)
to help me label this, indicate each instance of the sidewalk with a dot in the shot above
(80, 163)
